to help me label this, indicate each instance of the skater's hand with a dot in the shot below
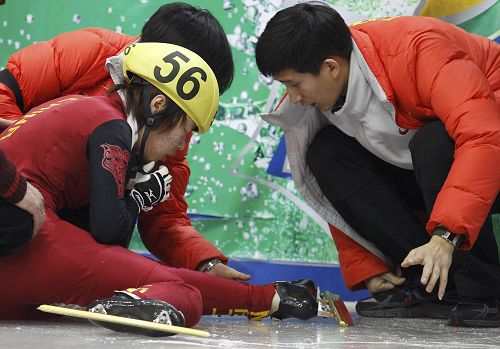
(435, 256)
(384, 282)
(152, 189)
(226, 272)
(33, 203)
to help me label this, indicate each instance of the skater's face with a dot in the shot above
(161, 143)
(320, 91)
(167, 143)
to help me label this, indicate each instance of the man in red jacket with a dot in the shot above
(47, 70)
(383, 119)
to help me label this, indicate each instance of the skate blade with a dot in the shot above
(75, 311)
(331, 305)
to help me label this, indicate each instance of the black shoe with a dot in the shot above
(476, 313)
(143, 309)
(297, 300)
(407, 301)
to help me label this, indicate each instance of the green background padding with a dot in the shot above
(258, 220)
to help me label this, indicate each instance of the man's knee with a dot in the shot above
(432, 142)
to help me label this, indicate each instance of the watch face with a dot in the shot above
(447, 235)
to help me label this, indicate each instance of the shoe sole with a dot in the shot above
(432, 311)
(455, 320)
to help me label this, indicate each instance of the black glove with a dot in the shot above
(151, 189)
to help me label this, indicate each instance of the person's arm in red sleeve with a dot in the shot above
(356, 263)
(462, 98)
(167, 231)
(455, 88)
(9, 110)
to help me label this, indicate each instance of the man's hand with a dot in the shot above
(384, 282)
(436, 257)
(226, 272)
(33, 204)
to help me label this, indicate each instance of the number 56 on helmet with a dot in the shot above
(179, 73)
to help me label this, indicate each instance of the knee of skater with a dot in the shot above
(192, 313)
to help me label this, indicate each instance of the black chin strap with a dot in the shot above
(150, 120)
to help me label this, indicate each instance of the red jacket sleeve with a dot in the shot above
(71, 62)
(8, 106)
(357, 263)
(167, 231)
(462, 98)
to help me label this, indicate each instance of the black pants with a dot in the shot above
(379, 201)
(16, 228)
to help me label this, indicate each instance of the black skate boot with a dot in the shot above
(125, 305)
(298, 299)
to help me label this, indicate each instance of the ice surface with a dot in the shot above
(237, 332)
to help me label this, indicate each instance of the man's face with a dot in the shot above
(321, 91)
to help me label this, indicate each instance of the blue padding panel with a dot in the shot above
(277, 163)
(326, 276)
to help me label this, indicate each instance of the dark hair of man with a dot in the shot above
(197, 30)
(301, 37)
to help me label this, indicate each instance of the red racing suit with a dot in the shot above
(73, 63)
(70, 147)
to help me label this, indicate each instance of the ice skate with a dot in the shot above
(301, 299)
(121, 304)
(125, 314)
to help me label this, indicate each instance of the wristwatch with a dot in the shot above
(452, 238)
(211, 264)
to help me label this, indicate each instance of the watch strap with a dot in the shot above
(452, 238)
(211, 264)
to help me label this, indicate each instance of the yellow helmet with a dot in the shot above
(179, 73)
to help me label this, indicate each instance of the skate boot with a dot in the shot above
(125, 305)
(297, 300)
(301, 299)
